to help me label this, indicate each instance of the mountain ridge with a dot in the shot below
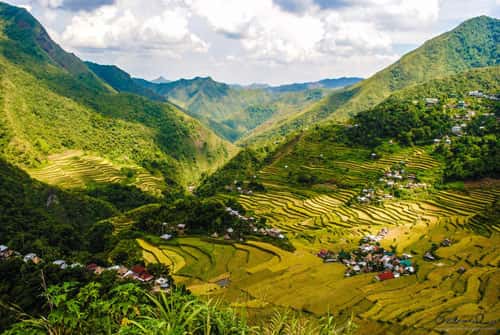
(53, 103)
(473, 43)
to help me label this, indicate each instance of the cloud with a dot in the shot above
(121, 28)
(304, 30)
(75, 5)
(250, 40)
(264, 29)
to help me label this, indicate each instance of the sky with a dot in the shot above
(250, 41)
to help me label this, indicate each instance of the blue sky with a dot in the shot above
(250, 41)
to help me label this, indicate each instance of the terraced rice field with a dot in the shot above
(262, 275)
(343, 165)
(74, 169)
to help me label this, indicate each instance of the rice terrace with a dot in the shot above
(264, 167)
(260, 274)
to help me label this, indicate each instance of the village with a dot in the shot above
(462, 115)
(395, 178)
(232, 233)
(137, 272)
(371, 257)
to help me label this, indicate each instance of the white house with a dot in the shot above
(457, 130)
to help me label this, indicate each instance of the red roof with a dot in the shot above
(139, 269)
(92, 266)
(146, 277)
(385, 275)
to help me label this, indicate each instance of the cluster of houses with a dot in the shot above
(235, 213)
(394, 178)
(236, 187)
(137, 272)
(370, 257)
(445, 139)
(397, 177)
(7, 253)
(479, 94)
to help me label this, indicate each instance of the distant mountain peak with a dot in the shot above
(160, 80)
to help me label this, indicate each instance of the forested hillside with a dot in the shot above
(53, 104)
(234, 111)
(472, 44)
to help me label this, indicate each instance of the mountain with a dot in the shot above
(121, 80)
(160, 80)
(324, 83)
(231, 111)
(59, 119)
(473, 43)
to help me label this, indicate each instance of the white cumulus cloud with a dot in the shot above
(119, 27)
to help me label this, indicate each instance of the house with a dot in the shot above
(122, 270)
(429, 257)
(477, 94)
(227, 237)
(99, 269)
(5, 252)
(214, 235)
(323, 253)
(138, 269)
(230, 230)
(461, 104)
(92, 267)
(181, 227)
(456, 130)
(32, 257)
(273, 232)
(162, 282)
(384, 276)
(145, 277)
(61, 263)
(166, 237)
(446, 242)
(405, 262)
(431, 101)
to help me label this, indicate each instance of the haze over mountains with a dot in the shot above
(230, 110)
(344, 197)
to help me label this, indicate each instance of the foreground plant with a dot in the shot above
(129, 310)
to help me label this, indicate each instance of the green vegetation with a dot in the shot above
(95, 175)
(53, 103)
(128, 309)
(45, 220)
(120, 80)
(232, 111)
(406, 118)
(470, 45)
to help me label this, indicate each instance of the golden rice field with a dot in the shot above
(75, 169)
(262, 275)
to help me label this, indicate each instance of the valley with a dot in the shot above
(337, 206)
